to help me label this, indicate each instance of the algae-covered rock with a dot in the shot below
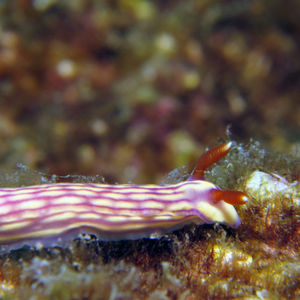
(258, 260)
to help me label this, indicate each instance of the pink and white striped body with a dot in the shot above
(114, 211)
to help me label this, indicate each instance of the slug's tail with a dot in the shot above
(209, 158)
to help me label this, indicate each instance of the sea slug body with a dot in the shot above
(117, 211)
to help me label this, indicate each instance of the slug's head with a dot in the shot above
(224, 201)
(214, 205)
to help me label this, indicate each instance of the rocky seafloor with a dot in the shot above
(258, 260)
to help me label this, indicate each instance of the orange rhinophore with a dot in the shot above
(209, 158)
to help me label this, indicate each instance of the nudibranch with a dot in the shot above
(117, 211)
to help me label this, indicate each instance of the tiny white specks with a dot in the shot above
(228, 257)
(245, 198)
